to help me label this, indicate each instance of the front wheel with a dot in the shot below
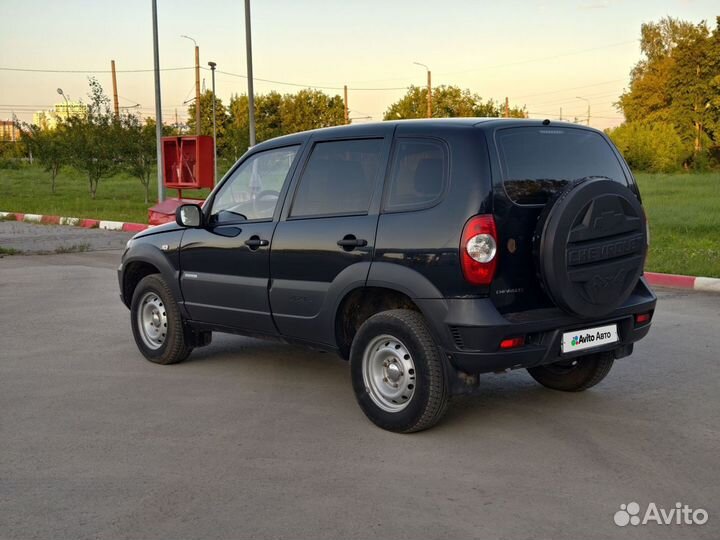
(397, 372)
(574, 375)
(156, 322)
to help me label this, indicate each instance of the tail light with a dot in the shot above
(478, 250)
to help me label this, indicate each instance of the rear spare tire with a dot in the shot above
(590, 245)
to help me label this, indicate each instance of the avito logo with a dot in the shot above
(681, 514)
(589, 338)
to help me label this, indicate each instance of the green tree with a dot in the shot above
(206, 119)
(139, 151)
(94, 140)
(676, 81)
(237, 138)
(268, 116)
(447, 102)
(310, 109)
(49, 147)
(277, 114)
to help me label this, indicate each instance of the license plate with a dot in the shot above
(589, 338)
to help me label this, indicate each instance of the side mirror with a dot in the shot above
(189, 215)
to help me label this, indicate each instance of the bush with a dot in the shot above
(651, 147)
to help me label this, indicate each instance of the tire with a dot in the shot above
(397, 372)
(575, 375)
(164, 342)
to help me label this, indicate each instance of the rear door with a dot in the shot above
(324, 241)
(530, 165)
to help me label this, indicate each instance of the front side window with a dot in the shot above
(253, 190)
(339, 178)
(419, 175)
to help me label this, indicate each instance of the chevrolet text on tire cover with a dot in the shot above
(424, 252)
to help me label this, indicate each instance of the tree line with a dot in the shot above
(101, 144)
(672, 107)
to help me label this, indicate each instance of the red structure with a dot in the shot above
(188, 163)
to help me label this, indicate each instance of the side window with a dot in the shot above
(419, 175)
(253, 190)
(339, 178)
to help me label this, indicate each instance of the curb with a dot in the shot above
(74, 222)
(675, 281)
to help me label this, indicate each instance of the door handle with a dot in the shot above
(254, 242)
(350, 242)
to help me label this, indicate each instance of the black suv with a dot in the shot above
(425, 252)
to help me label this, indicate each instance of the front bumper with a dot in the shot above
(470, 331)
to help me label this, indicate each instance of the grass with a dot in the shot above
(8, 251)
(684, 215)
(119, 198)
(683, 209)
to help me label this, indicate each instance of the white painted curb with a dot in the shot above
(707, 284)
(111, 225)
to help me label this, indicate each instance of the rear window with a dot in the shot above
(419, 175)
(537, 162)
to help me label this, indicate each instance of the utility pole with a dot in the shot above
(197, 84)
(588, 110)
(197, 90)
(429, 92)
(561, 113)
(158, 106)
(212, 69)
(429, 88)
(698, 147)
(116, 105)
(251, 91)
(507, 107)
(345, 101)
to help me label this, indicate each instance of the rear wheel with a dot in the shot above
(574, 375)
(397, 372)
(156, 322)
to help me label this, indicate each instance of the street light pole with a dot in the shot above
(67, 105)
(158, 105)
(588, 104)
(212, 69)
(429, 88)
(251, 91)
(197, 84)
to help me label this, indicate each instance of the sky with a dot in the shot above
(541, 54)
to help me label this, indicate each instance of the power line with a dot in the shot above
(301, 85)
(90, 71)
(519, 62)
(567, 89)
(540, 59)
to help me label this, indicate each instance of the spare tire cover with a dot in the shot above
(590, 245)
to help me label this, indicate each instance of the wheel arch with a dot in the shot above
(146, 260)
(389, 286)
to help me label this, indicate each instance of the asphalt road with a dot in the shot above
(33, 238)
(252, 439)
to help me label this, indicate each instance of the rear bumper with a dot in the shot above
(470, 331)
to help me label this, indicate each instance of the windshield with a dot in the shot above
(537, 162)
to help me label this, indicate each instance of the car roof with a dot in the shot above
(350, 130)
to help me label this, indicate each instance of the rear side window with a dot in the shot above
(339, 178)
(536, 162)
(419, 175)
